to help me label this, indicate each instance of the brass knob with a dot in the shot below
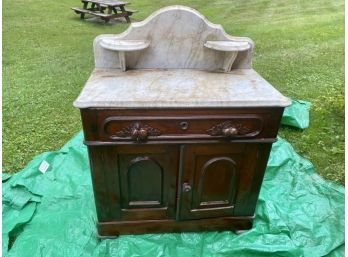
(186, 187)
(230, 131)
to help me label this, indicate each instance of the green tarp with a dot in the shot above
(297, 114)
(53, 213)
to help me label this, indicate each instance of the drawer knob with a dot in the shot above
(186, 187)
(230, 131)
(138, 132)
(134, 133)
(143, 134)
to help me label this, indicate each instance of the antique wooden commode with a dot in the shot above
(178, 126)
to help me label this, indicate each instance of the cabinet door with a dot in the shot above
(134, 182)
(209, 179)
(148, 181)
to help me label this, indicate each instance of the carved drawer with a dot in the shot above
(110, 127)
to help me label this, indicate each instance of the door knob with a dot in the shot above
(186, 187)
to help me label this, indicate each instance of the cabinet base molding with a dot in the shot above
(110, 229)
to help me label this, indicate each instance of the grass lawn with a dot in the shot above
(47, 57)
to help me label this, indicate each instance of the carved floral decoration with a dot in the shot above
(240, 129)
(138, 131)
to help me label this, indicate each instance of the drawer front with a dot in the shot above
(167, 128)
(130, 126)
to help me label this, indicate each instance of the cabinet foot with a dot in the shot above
(239, 231)
(106, 237)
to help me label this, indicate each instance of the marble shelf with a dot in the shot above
(231, 48)
(124, 45)
(228, 46)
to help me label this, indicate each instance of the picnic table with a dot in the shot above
(105, 9)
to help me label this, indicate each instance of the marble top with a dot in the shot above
(178, 88)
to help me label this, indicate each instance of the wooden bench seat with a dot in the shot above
(131, 11)
(81, 10)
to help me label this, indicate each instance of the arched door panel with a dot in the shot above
(141, 194)
(216, 183)
(147, 181)
(209, 180)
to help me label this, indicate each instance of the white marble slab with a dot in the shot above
(176, 36)
(178, 88)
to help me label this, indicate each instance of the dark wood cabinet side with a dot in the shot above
(105, 180)
(249, 184)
